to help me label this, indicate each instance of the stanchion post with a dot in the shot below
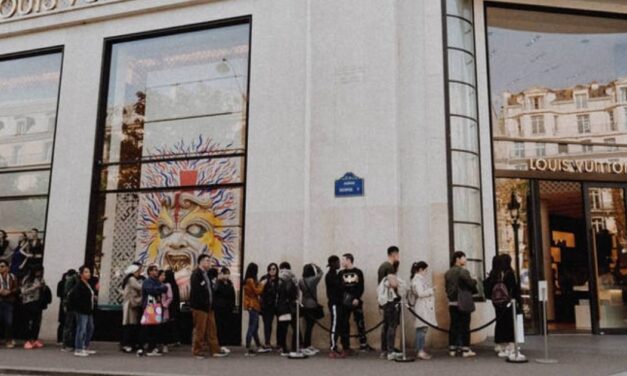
(543, 297)
(297, 354)
(516, 357)
(405, 358)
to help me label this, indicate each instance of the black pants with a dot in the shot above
(391, 317)
(150, 336)
(358, 317)
(69, 329)
(268, 319)
(310, 322)
(33, 320)
(334, 319)
(281, 334)
(130, 336)
(459, 334)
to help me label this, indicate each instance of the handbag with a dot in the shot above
(465, 302)
(153, 313)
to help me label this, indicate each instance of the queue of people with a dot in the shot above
(151, 306)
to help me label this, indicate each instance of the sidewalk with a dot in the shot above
(577, 355)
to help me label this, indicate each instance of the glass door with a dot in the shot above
(605, 215)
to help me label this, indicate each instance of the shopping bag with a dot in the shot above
(153, 313)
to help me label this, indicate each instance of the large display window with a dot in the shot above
(171, 158)
(29, 90)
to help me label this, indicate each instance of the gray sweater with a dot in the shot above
(309, 288)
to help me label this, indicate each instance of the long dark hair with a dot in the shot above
(275, 266)
(416, 267)
(169, 278)
(308, 271)
(501, 264)
(251, 272)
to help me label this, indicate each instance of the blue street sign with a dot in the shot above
(349, 185)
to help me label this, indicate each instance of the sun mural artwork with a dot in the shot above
(175, 227)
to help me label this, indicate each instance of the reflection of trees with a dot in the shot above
(504, 188)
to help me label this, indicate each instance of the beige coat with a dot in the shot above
(425, 305)
(132, 303)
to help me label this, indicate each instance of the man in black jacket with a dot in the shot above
(334, 297)
(352, 280)
(205, 332)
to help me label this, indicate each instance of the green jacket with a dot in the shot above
(457, 278)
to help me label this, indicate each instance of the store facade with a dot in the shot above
(156, 131)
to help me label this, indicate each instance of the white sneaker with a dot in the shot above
(225, 350)
(165, 349)
(308, 352)
(154, 352)
(468, 353)
(90, 352)
(394, 356)
(221, 354)
(315, 350)
(82, 353)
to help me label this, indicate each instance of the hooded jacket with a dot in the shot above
(287, 292)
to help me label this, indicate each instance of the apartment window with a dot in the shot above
(586, 148)
(519, 149)
(540, 149)
(610, 141)
(581, 101)
(562, 148)
(30, 86)
(537, 124)
(595, 199)
(583, 123)
(535, 102)
(611, 120)
(598, 224)
(622, 94)
(625, 117)
(171, 157)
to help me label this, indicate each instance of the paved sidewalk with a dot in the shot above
(577, 355)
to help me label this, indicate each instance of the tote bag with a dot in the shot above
(153, 313)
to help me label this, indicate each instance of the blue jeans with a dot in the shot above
(6, 318)
(421, 335)
(253, 328)
(84, 331)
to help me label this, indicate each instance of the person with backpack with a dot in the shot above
(83, 299)
(422, 298)
(61, 296)
(35, 299)
(460, 287)
(69, 324)
(312, 311)
(268, 302)
(389, 295)
(8, 294)
(502, 286)
(287, 296)
(131, 307)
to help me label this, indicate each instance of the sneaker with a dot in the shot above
(394, 356)
(165, 350)
(250, 353)
(127, 349)
(468, 353)
(154, 352)
(366, 348)
(285, 354)
(82, 353)
(504, 353)
(221, 354)
(140, 352)
(337, 355)
(90, 352)
(200, 357)
(225, 350)
(29, 345)
(498, 348)
(10, 344)
(383, 355)
(308, 352)
(452, 353)
(264, 349)
(313, 349)
(67, 349)
(423, 355)
(38, 344)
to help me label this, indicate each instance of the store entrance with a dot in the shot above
(582, 228)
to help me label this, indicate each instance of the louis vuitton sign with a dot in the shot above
(10, 9)
(577, 166)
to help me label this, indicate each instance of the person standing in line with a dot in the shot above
(387, 267)
(424, 305)
(69, 325)
(61, 296)
(36, 248)
(458, 281)
(502, 285)
(287, 297)
(84, 301)
(5, 247)
(152, 290)
(166, 301)
(352, 280)
(8, 293)
(269, 301)
(312, 274)
(173, 336)
(131, 307)
(389, 295)
(32, 290)
(252, 293)
(20, 258)
(223, 306)
(202, 290)
(334, 298)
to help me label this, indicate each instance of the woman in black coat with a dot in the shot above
(502, 286)
(268, 302)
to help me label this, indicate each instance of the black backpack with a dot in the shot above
(46, 297)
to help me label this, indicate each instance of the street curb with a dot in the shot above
(71, 372)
